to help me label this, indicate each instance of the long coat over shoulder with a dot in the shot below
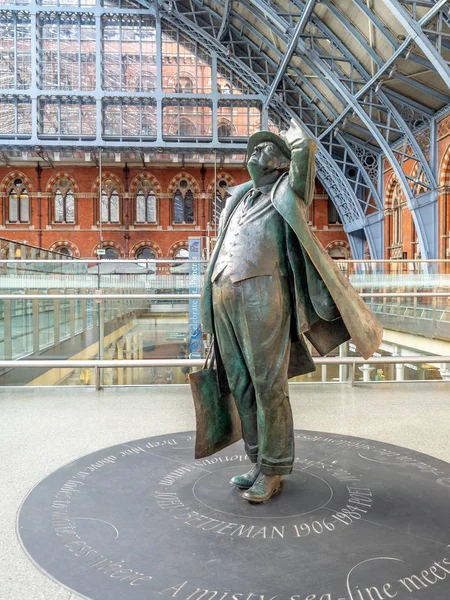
(338, 311)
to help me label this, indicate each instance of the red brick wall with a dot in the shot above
(443, 149)
(84, 235)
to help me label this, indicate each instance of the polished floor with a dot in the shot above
(41, 430)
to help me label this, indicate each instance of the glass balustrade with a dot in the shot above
(63, 310)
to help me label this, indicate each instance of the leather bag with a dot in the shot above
(218, 422)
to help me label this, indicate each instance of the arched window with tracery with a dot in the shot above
(64, 250)
(218, 194)
(64, 202)
(184, 203)
(111, 253)
(146, 205)
(224, 129)
(18, 202)
(110, 202)
(186, 128)
(146, 253)
(395, 222)
(220, 199)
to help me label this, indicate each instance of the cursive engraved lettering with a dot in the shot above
(132, 451)
(205, 594)
(175, 475)
(431, 576)
(170, 442)
(221, 459)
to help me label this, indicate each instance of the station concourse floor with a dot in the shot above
(43, 429)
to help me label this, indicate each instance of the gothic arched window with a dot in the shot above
(146, 252)
(183, 204)
(18, 203)
(224, 129)
(111, 252)
(110, 204)
(395, 222)
(189, 207)
(64, 250)
(219, 202)
(64, 203)
(187, 128)
(178, 207)
(187, 85)
(146, 206)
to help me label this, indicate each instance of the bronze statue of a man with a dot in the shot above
(268, 284)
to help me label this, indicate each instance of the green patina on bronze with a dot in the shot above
(216, 408)
(269, 284)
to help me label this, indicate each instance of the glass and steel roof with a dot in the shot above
(368, 79)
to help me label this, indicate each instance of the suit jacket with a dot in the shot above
(327, 309)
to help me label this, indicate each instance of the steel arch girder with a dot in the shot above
(384, 100)
(329, 174)
(362, 179)
(415, 30)
(388, 107)
(426, 237)
(225, 20)
(299, 28)
(426, 234)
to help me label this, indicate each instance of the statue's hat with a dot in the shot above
(267, 136)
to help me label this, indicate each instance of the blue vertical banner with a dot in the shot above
(195, 331)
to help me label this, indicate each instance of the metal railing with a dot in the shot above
(97, 365)
(141, 282)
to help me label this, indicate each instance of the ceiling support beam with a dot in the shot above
(384, 65)
(329, 173)
(416, 33)
(332, 78)
(226, 16)
(299, 28)
(313, 61)
(387, 66)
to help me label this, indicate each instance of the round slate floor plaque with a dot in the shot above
(357, 520)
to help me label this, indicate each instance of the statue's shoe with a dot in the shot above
(246, 480)
(263, 489)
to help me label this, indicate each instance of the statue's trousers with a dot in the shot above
(252, 320)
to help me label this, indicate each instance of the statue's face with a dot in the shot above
(266, 157)
(265, 163)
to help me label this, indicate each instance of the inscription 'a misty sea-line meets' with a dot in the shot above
(357, 520)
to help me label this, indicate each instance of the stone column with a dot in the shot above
(399, 368)
(324, 373)
(366, 369)
(400, 372)
(445, 371)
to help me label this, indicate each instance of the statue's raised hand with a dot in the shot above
(295, 135)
